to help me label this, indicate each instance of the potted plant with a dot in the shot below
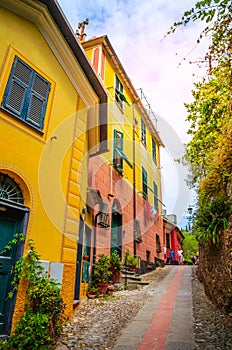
(102, 273)
(115, 266)
(92, 291)
(130, 261)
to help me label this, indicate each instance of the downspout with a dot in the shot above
(134, 185)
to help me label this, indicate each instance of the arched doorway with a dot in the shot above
(13, 219)
(116, 230)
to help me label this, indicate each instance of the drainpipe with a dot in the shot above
(134, 184)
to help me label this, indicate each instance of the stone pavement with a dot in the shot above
(166, 320)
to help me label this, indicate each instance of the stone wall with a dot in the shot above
(215, 271)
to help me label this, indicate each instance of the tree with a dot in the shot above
(217, 14)
(189, 245)
(209, 153)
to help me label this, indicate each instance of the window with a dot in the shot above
(154, 153)
(143, 133)
(118, 153)
(26, 94)
(168, 240)
(156, 200)
(119, 96)
(148, 256)
(144, 184)
(158, 244)
(103, 218)
(9, 190)
(138, 233)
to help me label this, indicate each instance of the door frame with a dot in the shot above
(22, 213)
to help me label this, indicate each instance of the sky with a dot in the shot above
(158, 64)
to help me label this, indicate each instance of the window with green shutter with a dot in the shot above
(118, 153)
(143, 133)
(26, 94)
(154, 153)
(156, 199)
(144, 183)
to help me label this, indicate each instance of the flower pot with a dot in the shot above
(91, 295)
(115, 276)
(110, 290)
(102, 287)
(132, 269)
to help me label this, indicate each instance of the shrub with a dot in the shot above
(42, 320)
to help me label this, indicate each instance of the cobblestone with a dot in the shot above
(97, 323)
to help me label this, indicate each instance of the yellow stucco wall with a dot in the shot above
(48, 166)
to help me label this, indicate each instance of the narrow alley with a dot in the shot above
(171, 313)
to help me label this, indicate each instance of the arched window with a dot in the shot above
(10, 190)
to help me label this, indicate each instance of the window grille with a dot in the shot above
(10, 190)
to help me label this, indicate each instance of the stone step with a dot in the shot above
(131, 277)
(142, 283)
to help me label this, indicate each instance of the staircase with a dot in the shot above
(132, 280)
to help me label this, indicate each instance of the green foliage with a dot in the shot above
(209, 117)
(130, 260)
(189, 245)
(115, 262)
(42, 320)
(18, 237)
(101, 269)
(209, 153)
(211, 219)
(93, 289)
(217, 15)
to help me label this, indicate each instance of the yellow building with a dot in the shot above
(126, 180)
(49, 105)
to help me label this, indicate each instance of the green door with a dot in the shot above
(8, 227)
(116, 234)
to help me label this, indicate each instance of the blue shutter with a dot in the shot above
(26, 94)
(16, 89)
(38, 101)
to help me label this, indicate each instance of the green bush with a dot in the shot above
(41, 323)
(101, 269)
(130, 260)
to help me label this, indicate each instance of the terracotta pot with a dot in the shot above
(91, 295)
(110, 290)
(133, 269)
(102, 287)
(115, 277)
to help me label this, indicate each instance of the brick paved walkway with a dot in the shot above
(166, 321)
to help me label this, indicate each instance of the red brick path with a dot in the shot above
(156, 335)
